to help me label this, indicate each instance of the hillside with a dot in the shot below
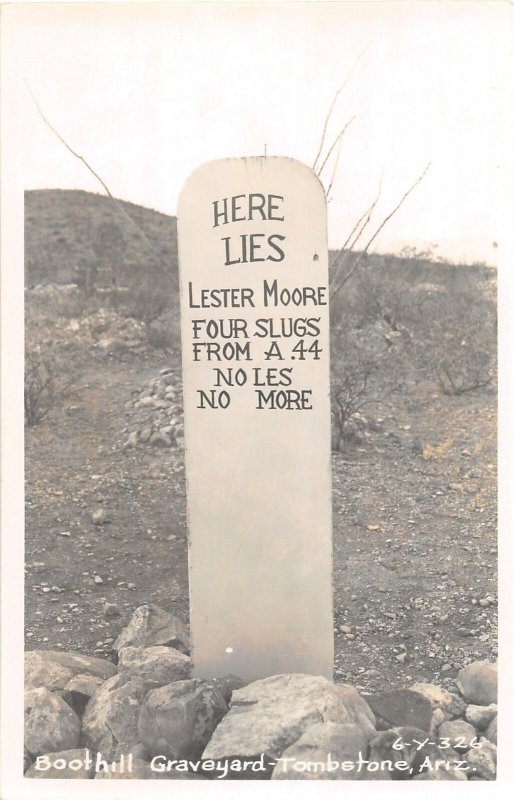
(67, 230)
(413, 361)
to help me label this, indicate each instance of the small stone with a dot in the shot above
(97, 579)
(100, 517)
(111, 610)
(160, 439)
(145, 435)
(401, 658)
(132, 439)
(345, 629)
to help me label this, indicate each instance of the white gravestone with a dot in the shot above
(255, 353)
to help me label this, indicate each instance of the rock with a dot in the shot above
(357, 708)
(160, 439)
(77, 764)
(54, 669)
(390, 748)
(437, 719)
(451, 704)
(100, 517)
(226, 685)
(491, 732)
(460, 734)
(111, 610)
(151, 625)
(79, 690)
(324, 746)
(155, 665)
(269, 715)
(50, 724)
(478, 683)
(400, 707)
(109, 724)
(132, 439)
(177, 720)
(482, 761)
(481, 716)
(145, 435)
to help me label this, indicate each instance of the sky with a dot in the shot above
(147, 92)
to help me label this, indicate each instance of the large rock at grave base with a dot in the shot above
(137, 769)
(177, 720)
(79, 691)
(109, 724)
(450, 704)
(157, 664)
(269, 715)
(400, 707)
(461, 734)
(50, 724)
(322, 749)
(481, 716)
(151, 625)
(392, 747)
(53, 669)
(226, 685)
(70, 764)
(482, 761)
(478, 683)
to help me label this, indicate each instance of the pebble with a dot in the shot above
(100, 517)
(111, 610)
(97, 579)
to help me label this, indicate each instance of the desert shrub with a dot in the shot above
(44, 385)
(145, 302)
(365, 371)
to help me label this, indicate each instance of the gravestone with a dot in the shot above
(255, 353)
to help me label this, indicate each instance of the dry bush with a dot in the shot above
(45, 387)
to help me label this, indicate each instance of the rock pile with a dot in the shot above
(147, 718)
(156, 412)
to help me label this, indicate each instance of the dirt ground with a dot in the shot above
(415, 554)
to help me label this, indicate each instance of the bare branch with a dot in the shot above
(355, 234)
(336, 164)
(398, 206)
(334, 143)
(334, 99)
(116, 202)
(380, 227)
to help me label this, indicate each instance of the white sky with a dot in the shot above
(147, 92)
